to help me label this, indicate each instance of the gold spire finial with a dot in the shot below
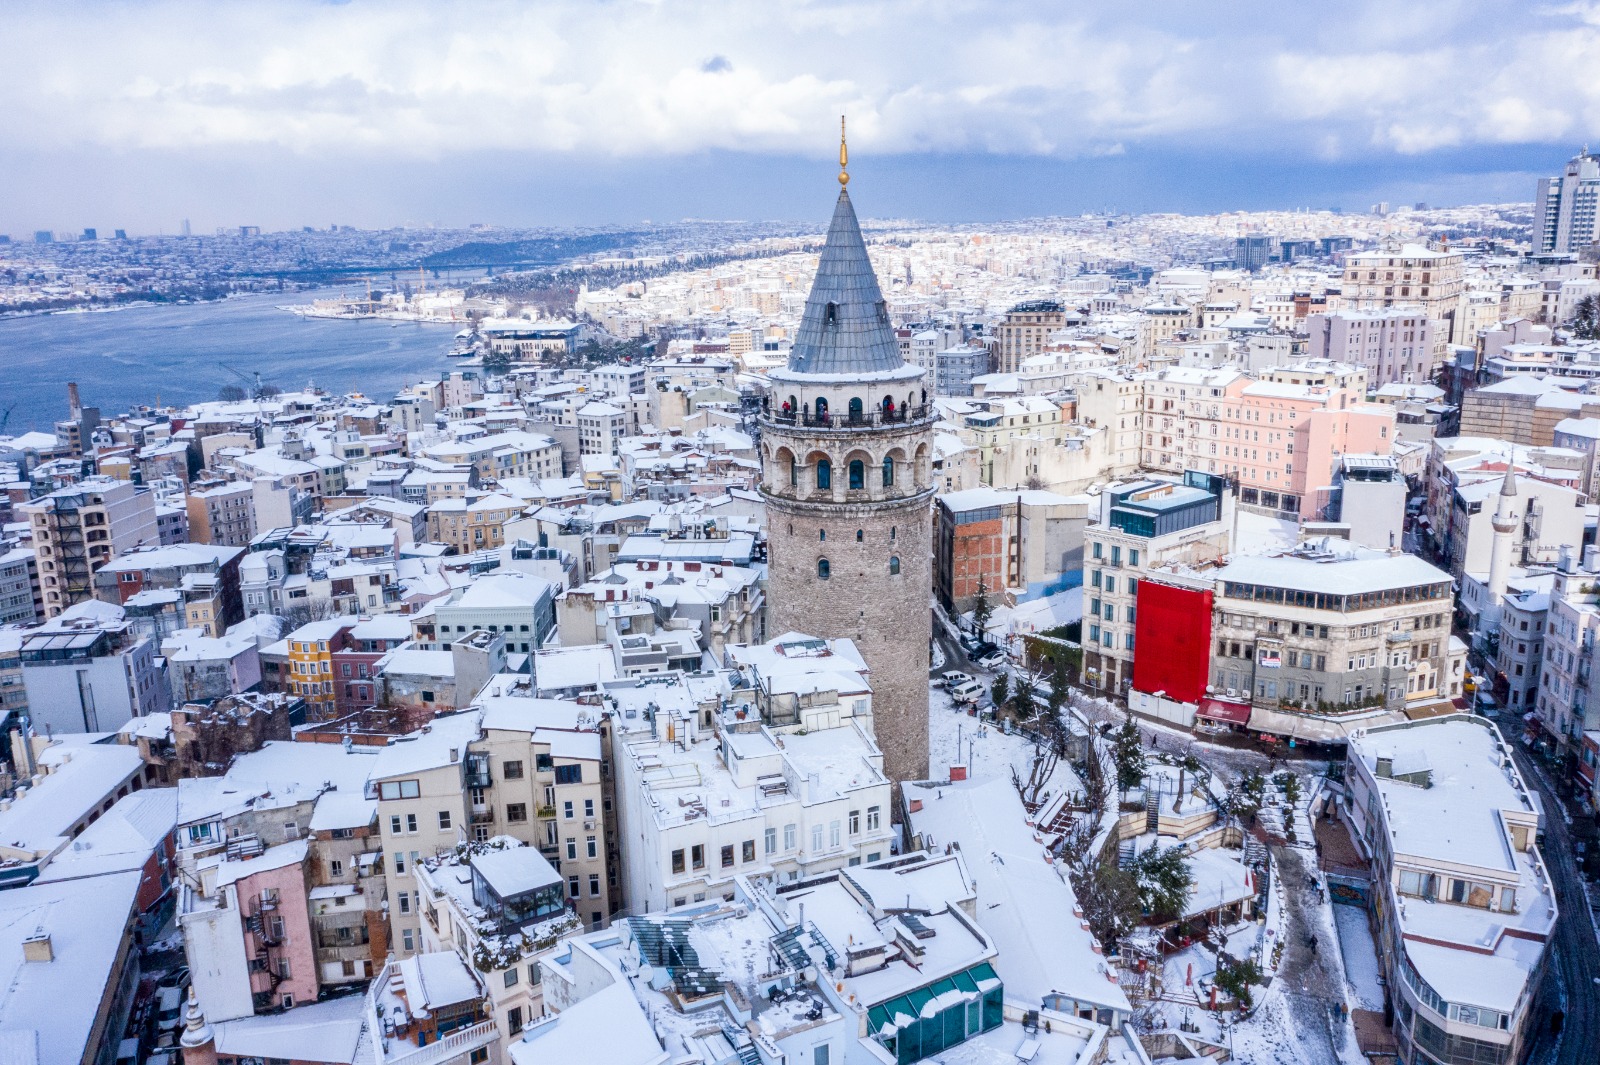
(844, 156)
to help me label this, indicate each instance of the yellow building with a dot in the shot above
(311, 648)
(477, 525)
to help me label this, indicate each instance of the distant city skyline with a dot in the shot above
(569, 113)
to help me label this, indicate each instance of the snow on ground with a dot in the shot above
(1361, 975)
(986, 750)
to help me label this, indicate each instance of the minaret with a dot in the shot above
(847, 447)
(1505, 528)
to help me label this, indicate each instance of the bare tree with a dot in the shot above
(1041, 767)
(305, 611)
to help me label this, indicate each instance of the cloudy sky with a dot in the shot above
(289, 112)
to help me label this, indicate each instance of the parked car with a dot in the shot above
(169, 1008)
(993, 660)
(968, 692)
(953, 677)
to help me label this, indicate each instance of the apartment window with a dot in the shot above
(411, 822)
(399, 789)
(770, 840)
(749, 849)
(511, 977)
(444, 820)
(511, 770)
(405, 901)
(592, 846)
(816, 838)
(336, 867)
(833, 833)
(566, 810)
(697, 855)
(514, 1019)
(872, 819)
(588, 808)
(516, 811)
(395, 824)
(727, 856)
(408, 939)
(572, 886)
(788, 837)
(677, 860)
(594, 885)
(569, 774)
(855, 822)
(400, 862)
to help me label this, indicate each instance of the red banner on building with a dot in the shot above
(1172, 641)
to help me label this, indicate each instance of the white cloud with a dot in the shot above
(636, 78)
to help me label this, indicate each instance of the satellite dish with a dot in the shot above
(809, 974)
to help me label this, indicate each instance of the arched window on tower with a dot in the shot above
(794, 473)
(824, 471)
(858, 473)
(860, 535)
(822, 569)
(855, 409)
(894, 565)
(888, 471)
(822, 408)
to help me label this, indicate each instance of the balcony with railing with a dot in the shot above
(851, 420)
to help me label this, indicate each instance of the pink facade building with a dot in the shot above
(1283, 441)
(273, 894)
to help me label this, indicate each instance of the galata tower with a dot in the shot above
(846, 447)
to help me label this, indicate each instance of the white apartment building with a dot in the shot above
(601, 428)
(1143, 527)
(1464, 905)
(788, 782)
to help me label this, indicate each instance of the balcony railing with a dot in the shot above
(866, 419)
(457, 1044)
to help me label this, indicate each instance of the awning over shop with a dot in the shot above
(1314, 728)
(1436, 708)
(1224, 710)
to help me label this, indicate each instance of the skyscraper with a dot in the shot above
(847, 442)
(1564, 207)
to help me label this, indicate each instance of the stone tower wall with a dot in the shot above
(886, 613)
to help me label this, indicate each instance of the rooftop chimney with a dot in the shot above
(37, 947)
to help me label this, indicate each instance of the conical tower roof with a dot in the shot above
(845, 328)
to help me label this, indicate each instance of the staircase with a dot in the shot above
(1255, 852)
(1152, 810)
(743, 1046)
(1125, 854)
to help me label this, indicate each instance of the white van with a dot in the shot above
(954, 677)
(967, 692)
(169, 1008)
